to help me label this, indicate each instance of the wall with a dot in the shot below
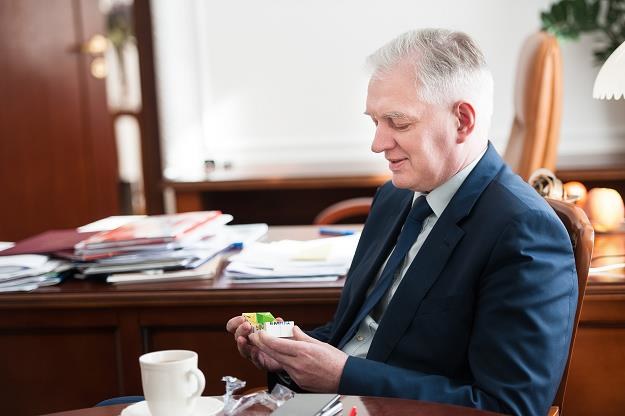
(267, 82)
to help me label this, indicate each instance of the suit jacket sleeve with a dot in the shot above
(522, 323)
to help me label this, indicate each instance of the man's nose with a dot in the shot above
(382, 140)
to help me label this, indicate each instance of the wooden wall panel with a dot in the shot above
(57, 153)
(148, 117)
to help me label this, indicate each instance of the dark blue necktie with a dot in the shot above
(412, 227)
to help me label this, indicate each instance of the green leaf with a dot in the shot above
(567, 19)
(559, 11)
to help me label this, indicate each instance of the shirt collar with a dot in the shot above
(439, 197)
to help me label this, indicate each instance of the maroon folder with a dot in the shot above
(47, 242)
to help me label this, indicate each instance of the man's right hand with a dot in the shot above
(241, 329)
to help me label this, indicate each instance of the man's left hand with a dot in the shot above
(314, 365)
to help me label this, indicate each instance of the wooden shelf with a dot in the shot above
(234, 184)
(604, 167)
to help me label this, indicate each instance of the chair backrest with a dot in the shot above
(582, 237)
(535, 132)
(348, 208)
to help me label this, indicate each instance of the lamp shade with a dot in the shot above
(610, 82)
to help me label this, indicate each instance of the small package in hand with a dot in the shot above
(280, 329)
(258, 319)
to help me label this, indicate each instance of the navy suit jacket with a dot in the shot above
(483, 316)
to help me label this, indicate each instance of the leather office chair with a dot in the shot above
(582, 237)
(348, 208)
(535, 133)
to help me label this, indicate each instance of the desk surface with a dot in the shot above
(374, 406)
(93, 294)
(609, 247)
(609, 250)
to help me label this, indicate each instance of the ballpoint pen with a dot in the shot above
(331, 408)
(335, 231)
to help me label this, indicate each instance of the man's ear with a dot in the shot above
(465, 114)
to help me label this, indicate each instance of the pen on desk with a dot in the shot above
(332, 407)
(335, 231)
(354, 411)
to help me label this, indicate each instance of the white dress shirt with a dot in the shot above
(438, 199)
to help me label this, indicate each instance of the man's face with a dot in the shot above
(417, 138)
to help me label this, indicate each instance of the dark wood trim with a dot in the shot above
(363, 181)
(148, 117)
(592, 174)
(598, 167)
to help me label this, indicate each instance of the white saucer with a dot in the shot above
(205, 406)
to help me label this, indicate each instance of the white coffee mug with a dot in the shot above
(171, 382)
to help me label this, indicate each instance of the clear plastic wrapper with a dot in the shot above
(234, 405)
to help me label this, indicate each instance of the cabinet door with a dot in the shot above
(58, 163)
(60, 360)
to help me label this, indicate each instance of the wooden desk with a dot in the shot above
(75, 344)
(367, 406)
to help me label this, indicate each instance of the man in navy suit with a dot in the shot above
(463, 287)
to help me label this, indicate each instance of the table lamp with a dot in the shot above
(610, 82)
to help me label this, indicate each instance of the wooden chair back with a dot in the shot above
(582, 237)
(342, 210)
(535, 132)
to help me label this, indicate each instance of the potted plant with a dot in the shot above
(567, 19)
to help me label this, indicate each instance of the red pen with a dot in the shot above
(353, 412)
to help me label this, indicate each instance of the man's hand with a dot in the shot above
(241, 329)
(312, 364)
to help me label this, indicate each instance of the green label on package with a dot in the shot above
(258, 319)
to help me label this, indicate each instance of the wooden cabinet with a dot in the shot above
(275, 197)
(597, 373)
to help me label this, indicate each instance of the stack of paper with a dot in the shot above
(322, 259)
(191, 260)
(156, 232)
(159, 242)
(27, 272)
(127, 249)
(205, 271)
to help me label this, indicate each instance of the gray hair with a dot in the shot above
(449, 66)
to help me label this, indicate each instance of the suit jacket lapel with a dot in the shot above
(360, 278)
(432, 257)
